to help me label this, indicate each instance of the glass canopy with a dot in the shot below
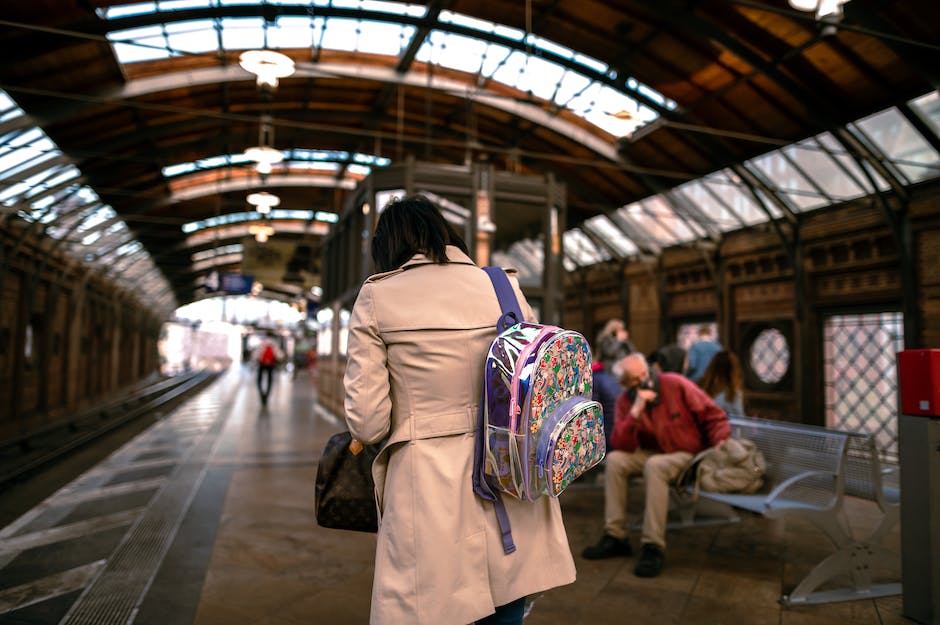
(807, 175)
(39, 185)
(491, 51)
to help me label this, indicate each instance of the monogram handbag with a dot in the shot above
(345, 492)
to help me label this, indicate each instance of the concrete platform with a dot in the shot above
(206, 518)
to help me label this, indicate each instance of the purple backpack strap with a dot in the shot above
(512, 315)
(508, 303)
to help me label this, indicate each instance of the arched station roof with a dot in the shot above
(123, 125)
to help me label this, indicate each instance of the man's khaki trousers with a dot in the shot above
(658, 471)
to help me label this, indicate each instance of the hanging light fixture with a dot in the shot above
(261, 232)
(264, 155)
(826, 11)
(263, 201)
(268, 66)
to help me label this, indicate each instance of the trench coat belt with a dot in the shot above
(420, 426)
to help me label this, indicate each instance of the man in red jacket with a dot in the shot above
(660, 423)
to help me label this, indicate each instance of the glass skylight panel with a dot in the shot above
(359, 170)
(222, 250)
(97, 216)
(540, 77)
(449, 17)
(118, 226)
(591, 63)
(243, 33)
(831, 145)
(712, 208)
(178, 170)
(636, 223)
(382, 37)
(550, 46)
(314, 165)
(231, 218)
(583, 102)
(607, 102)
(15, 162)
(668, 227)
(493, 57)
(290, 32)
(531, 252)
(900, 142)
(570, 85)
(10, 113)
(582, 250)
(371, 159)
(824, 170)
(64, 174)
(129, 248)
(511, 69)
(193, 37)
(738, 197)
(340, 34)
(139, 44)
(24, 189)
(395, 8)
(611, 234)
(456, 51)
(140, 8)
(6, 102)
(928, 107)
(179, 5)
(327, 217)
(689, 216)
(782, 176)
(508, 32)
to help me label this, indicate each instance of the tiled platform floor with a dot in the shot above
(234, 540)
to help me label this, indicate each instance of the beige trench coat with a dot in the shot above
(418, 338)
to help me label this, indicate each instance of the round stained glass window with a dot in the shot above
(770, 356)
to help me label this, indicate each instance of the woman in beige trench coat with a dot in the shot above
(418, 338)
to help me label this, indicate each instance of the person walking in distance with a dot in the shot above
(266, 356)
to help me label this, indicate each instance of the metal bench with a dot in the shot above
(810, 470)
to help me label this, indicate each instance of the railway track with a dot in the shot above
(33, 451)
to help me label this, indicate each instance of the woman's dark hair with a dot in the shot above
(723, 374)
(408, 226)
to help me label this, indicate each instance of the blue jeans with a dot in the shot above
(509, 614)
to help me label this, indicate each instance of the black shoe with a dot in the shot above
(651, 561)
(608, 547)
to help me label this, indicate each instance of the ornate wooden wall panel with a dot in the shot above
(9, 322)
(762, 301)
(928, 266)
(645, 316)
(692, 303)
(85, 338)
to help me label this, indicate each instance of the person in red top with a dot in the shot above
(660, 423)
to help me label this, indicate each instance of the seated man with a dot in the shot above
(661, 422)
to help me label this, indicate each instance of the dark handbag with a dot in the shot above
(345, 491)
